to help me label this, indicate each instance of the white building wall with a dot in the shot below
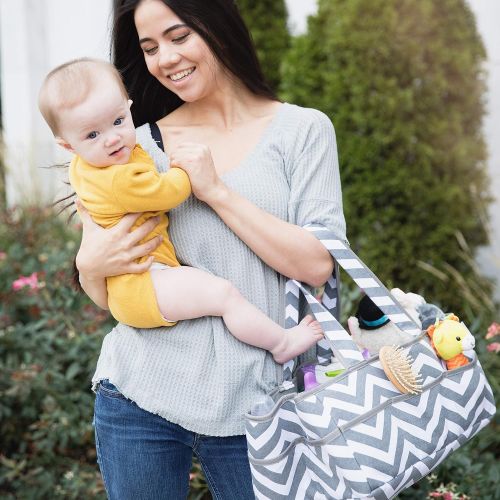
(488, 20)
(35, 36)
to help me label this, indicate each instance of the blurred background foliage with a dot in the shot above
(267, 22)
(50, 337)
(402, 83)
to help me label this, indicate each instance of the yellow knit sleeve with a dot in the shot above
(139, 188)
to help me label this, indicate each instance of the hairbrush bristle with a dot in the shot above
(398, 367)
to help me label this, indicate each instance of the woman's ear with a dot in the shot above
(64, 144)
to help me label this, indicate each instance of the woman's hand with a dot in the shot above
(110, 252)
(196, 160)
(273, 240)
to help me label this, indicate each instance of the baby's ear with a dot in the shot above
(64, 144)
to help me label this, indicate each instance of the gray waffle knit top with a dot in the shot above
(196, 374)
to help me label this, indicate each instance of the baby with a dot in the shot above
(87, 108)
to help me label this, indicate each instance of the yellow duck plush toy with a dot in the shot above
(449, 338)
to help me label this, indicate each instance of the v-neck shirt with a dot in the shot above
(196, 374)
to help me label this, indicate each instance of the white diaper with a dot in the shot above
(158, 265)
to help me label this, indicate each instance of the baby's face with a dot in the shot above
(100, 129)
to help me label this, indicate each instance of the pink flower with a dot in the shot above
(3, 256)
(493, 347)
(448, 496)
(26, 281)
(493, 330)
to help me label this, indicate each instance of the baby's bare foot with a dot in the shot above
(297, 340)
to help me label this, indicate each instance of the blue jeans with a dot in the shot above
(144, 457)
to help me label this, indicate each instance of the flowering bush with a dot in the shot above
(493, 331)
(49, 341)
(27, 281)
(445, 492)
(50, 337)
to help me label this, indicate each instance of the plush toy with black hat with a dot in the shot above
(371, 329)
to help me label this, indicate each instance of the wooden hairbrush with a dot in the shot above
(398, 367)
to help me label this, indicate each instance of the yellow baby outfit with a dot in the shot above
(108, 193)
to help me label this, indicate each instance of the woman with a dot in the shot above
(260, 170)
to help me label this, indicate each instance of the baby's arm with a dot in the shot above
(96, 290)
(140, 188)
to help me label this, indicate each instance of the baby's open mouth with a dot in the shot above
(116, 152)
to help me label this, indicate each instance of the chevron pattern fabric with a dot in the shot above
(329, 300)
(291, 319)
(356, 435)
(360, 438)
(340, 341)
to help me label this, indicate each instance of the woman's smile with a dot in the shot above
(175, 54)
(181, 75)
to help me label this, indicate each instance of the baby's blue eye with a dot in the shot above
(92, 135)
(118, 121)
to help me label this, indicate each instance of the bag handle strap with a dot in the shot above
(292, 299)
(336, 337)
(330, 301)
(365, 279)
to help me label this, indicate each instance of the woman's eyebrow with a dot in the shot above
(166, 32)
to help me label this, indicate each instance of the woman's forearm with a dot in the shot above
(287, 248)
(96, 290)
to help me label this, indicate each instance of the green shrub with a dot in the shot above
(267, 22)
(50, 336)
(403, 85)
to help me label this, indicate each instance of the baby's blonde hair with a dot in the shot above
(69, 84)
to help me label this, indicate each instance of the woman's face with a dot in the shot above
(174, 53)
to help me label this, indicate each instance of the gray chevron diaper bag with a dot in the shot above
(355, 435)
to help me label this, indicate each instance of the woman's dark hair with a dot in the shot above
(220, 25)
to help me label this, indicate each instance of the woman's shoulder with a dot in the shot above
(303, 127)
(307, 117)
